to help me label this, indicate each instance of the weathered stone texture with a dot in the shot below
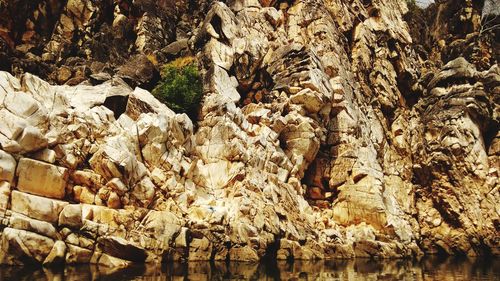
(42, 179)
(322, 134)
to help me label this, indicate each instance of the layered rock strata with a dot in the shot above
(318, 137)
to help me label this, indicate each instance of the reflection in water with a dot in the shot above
(360, 269)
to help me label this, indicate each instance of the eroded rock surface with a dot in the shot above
(319, 136)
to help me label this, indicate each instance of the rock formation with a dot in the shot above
(324, 133)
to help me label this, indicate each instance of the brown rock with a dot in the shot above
(87, 178)
(113, 262)
(63, 74)
(71, 215)
(200, 249)
(121, 248)
(315, 193)
(246, 254)
(57, 254)
(37, 207)
(139, 71)
(21, 244)
(114, 201)
(7, 167)
(77, 255)
(83, 194)
(41, 178)
(21, 222)
(5, 191)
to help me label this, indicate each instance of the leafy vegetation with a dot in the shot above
(180, 86)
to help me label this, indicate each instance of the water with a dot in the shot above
(486, 269)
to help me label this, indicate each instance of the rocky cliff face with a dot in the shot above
(323, 133)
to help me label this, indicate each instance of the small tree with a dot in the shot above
(180, 87)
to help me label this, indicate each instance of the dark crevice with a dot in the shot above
(404, 81)
(272, 250)
(258, 90)
(216, 23)
(388, 113)
(490, 134)
(446, 211)
(117, 104)
(441, 252)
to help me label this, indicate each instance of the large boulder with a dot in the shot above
(37, 207)
(19, 221)
(41, 178)
(139, 71)
(19, 245)
(56, 255)
(121, 248)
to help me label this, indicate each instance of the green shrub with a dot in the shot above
(180, 87)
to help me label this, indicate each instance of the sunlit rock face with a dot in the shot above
(318, 137)
(459, 130)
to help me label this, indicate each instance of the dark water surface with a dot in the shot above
(360, 269)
